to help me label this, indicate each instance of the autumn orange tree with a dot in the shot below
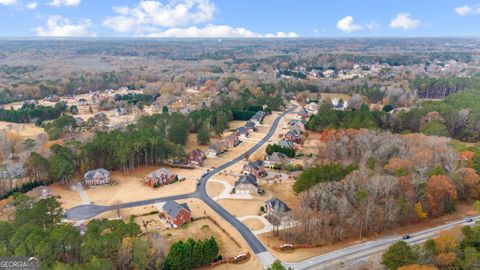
(441, 194)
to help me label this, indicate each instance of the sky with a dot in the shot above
(239, 18)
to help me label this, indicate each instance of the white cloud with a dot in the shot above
(467, 10)
(147, 14)
(215, 31)
(32, 5)
(57, 26)
(404, 21)
(346, 24)
(176, 18)
(7, 2)
(59, 3)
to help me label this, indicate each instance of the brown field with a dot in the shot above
(253, 224)
(198, 229)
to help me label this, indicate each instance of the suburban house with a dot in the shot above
(40, 192)
(160, 177)
(286, 143)
(294, 136)
(312, 108)
(247, 184)
(276, 158)
(231, 140)
(196, 157)
(258, 117)
(276, 208)
(216, 149)
(176, 214)
(256, 168)
(97, 177)
(298, 125)
(251, 126)
(242, 132)
(303, 114)
(82, 101)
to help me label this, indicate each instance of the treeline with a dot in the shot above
(320, 174)
(192, 254)
(327, 118)
(458, 116)
(135, 98)
(108, 244)
(440, 88)
(449, 250)
(401, 179)
(272, 148)
(31, 112)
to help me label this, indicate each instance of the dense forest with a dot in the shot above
(29, 113)
(449, 250)
(458, 117)
(107, 244)
(395, 180)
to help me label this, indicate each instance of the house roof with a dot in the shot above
(90, 174)
(217, 146)
(196, 153)
(247, 179)
(250, 124)
(303, 111)
(172, 208)
(286, 143)
(278, 205)
(258, 115)
(256, 164)
(242, 130)
(277, 157)
(160, 172)
(294, 133)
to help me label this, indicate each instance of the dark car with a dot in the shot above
(406, 237)
(469, 220)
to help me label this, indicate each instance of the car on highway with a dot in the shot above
(469, 220)
(406, 237)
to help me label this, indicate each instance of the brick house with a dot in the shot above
(216, 149)
(276, 158)
(160, 177)
(258, 117)
(242, 132)
(294, 136)
(231, 140)
(251, 126)
(256, 168)
(97, 177)
(196, 157)
(247, 184)
(176, 214)
(278, 209)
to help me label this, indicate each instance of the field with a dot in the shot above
(198, 229)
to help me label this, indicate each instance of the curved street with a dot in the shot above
(349, 256)
(83, 212)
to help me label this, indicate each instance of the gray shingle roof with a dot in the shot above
(278, 205)
(172, 208)
(90, 174)
(247, 179)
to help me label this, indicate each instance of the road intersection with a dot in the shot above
(346, 256)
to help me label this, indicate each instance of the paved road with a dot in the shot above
(347, 257)
(83, 212)
(356, 254)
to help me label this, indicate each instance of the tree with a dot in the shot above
(441, 194)
(421, 214)
(277, 265)
(29, 144)
(37, 167)
(203, 134)
(73, 109)
(399, 254)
